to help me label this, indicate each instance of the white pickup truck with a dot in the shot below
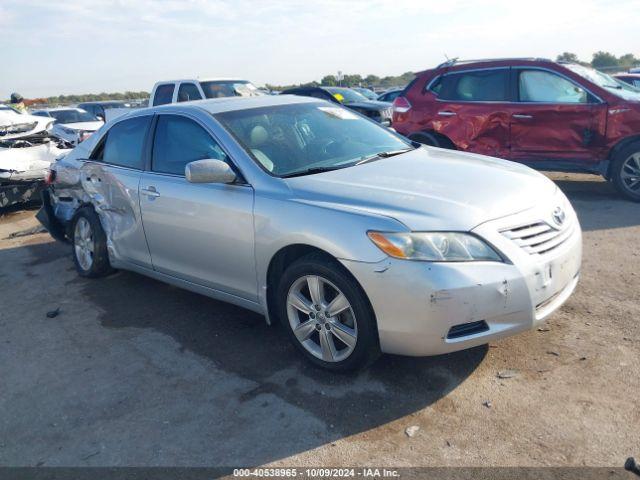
(174, 91)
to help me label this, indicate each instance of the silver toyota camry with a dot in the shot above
(356, 240)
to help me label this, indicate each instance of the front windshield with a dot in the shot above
(366, 93)
(72, 116)
(289, 139)
(612, 85)
(349, 96)
(229, 88)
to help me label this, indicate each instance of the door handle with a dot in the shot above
(522, 116)
(150, 192)
(447, 113)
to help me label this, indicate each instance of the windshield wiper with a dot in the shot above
(379, 155)
(310, 171)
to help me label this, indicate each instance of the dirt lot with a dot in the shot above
(135, 372)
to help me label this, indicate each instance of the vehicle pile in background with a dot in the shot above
(27, 149)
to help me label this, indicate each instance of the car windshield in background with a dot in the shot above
(613, 85)
(348, 95)
(72, 116)
(229, 88)
(289, 140)
(366, 93)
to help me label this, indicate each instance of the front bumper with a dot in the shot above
(418, 303)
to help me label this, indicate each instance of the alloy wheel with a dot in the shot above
(321, 318)
(83, 243)
(630, 173)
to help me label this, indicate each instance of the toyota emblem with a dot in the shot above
(558, 216)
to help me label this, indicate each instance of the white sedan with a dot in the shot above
(71, 124)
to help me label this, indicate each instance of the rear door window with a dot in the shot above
(546, 87)
(124, 143)
(164, 94)
(178, 141)
(473, 86)
(188, 92)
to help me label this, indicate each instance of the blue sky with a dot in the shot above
(84, 46)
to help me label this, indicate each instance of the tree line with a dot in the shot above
(94, 97)
(603, 60)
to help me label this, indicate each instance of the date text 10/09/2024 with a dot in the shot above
(316, 472)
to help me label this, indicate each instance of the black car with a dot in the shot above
(378, 111)
(390, 95)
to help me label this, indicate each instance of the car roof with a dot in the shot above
(457, 64)
(57, 109)
(204, 79)
(227, 104)
(102, 102)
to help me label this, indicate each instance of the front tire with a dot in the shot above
(89, 244)
(625, 171)
(327, 315)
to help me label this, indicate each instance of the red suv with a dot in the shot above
(548, 115)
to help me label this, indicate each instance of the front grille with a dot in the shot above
(540, 237)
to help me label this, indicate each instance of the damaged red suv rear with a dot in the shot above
(548, 115)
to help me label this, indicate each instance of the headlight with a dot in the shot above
(434, 246)
(69, 131)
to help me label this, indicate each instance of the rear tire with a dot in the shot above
(433, 140)
(336, 335)
(89, 244)
(625, 171)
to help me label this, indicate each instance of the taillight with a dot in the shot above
(401, 105)
(50, 177)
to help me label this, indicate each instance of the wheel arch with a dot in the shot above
(625, 142)
(81, 206)
(279, 263)
(437, 139)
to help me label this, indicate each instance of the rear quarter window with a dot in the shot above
(473, 86)
(124, 143)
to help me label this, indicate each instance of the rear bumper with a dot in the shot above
(48, 219)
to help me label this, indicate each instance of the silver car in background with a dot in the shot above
(356, 240)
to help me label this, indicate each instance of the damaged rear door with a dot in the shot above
(201, 233)
(111, 179)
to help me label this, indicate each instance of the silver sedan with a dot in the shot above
(356, 240)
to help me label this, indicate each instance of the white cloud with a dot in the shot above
(84, 45)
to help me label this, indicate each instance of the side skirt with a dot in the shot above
(599, 168)
(193, 287)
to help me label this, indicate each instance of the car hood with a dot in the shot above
(84, 126)
(372, 105)
(15, 125)
(428, 189)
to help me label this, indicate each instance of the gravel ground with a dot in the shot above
(135, 372)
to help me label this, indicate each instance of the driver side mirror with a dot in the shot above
(209, 171)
